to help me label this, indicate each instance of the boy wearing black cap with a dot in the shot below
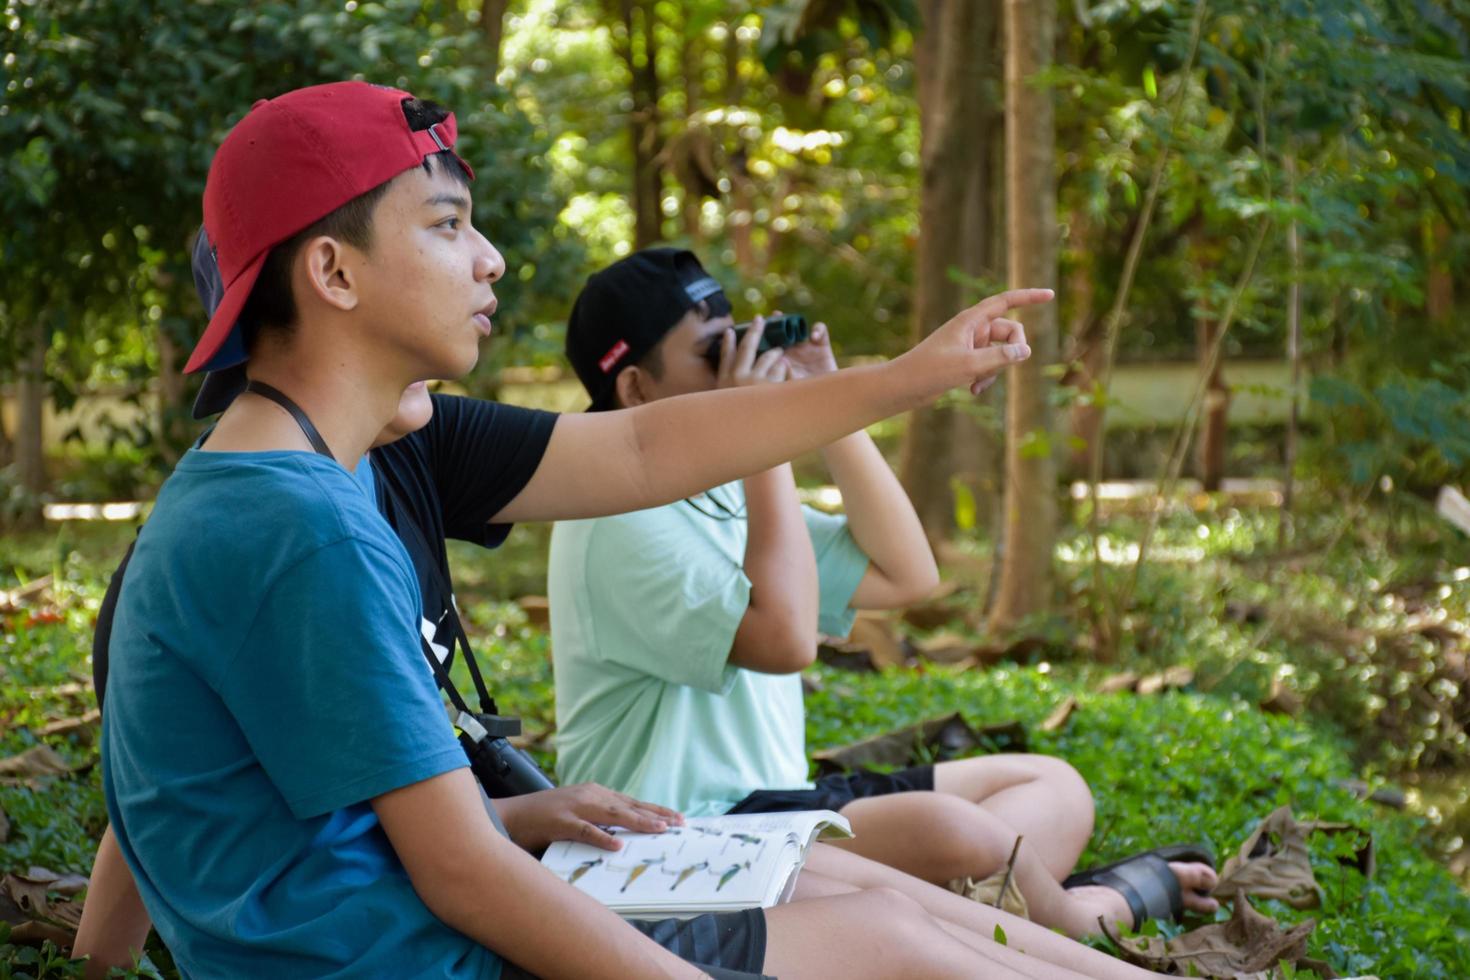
(678, 632)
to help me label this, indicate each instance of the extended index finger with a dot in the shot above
(993, 306)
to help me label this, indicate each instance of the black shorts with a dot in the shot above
(726, 945)
(838, 790)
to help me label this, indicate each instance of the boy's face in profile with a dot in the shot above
(424, 288)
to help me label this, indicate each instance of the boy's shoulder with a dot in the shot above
(279, 502)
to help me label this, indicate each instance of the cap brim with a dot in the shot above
(215, 349)
(219, 390)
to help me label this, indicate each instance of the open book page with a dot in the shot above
(710, 864)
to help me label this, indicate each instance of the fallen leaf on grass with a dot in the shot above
(20, 597)
(38, 760)
(944, 647)
(988, 892)
(39, 905)
(1248, 945)
(1060, 715)
(1274, 861)
(1174, 678)
(877, 634)
(1117, 683)
(946, 737)
(66, 726)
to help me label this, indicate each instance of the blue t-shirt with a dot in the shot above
(267, 682)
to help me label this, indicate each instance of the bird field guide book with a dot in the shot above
(711, 864)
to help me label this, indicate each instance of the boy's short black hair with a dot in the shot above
(271, 305)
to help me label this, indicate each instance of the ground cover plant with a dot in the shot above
(1332, 629)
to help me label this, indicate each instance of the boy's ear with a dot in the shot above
(330, 275)
(631, 387)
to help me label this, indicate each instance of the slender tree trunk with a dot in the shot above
(1031, 231)
(690, 65)
(1215, 412)
(639, 51)
(1284, 529)
(492, 28)
(30, 397)
(1085, 347)
(741, 201)
(951, 78)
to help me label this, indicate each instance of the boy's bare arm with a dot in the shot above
(609, 462)
(882, 521)
(114, 923)
(487, 888)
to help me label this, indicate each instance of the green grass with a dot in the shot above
(1205, 764)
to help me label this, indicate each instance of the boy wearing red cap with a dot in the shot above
(305, 808)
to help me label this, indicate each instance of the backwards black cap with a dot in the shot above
(625, 310)
(220, 387)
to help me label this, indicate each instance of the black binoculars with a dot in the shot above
(780, 331)
(501, 768)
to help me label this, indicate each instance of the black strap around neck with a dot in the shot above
(294, 410)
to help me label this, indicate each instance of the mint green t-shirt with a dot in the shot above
(644, 609)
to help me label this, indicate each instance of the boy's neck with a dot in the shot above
(348, 399)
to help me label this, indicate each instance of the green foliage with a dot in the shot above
(1414, 430)
(122, 105)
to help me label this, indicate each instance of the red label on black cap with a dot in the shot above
(611, 357)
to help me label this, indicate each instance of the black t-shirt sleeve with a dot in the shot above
(482, 454)
(102, 635)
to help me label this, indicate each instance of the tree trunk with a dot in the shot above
(30, 397)
(639, 51)
(690, 65)
(492, 28)
(1031, 231)
(1284, 528)
(1085, 348)
(951, 71)
(1214, 413)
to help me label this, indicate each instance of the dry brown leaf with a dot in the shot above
(38, 760)
(1171, 679)
(944, 647)
(1125, 681)
(1274, 861)
(875, 632)
(945, 737)
(1060, 715)
(988, 892)
(42, 900)
(66, 726)
(21, 596)
(1249, 944)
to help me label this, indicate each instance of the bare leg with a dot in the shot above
(1040, 795)
(938, 838)
(879, 934)
(830, 871)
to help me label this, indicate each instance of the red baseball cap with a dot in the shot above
(290, 162)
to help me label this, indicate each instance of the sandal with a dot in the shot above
(1145, 880)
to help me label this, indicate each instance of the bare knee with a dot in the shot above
(1065, 783)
